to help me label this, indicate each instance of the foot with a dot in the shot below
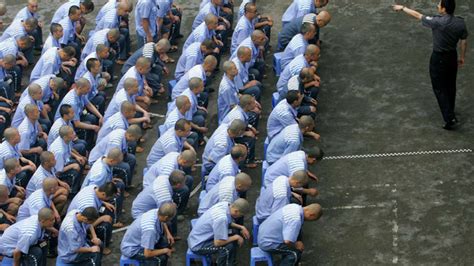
(251, 165)
(126, 194)
(451, 125)
(177, 238)
(106, 251)
(118, 225)
(180, 218)
(120, 62)
(139, 150)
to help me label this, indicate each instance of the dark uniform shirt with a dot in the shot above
(447, 30)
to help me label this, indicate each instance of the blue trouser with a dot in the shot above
(225, 254)
(161, 260)
(124, 44)
(88, 135)
(199, 119)
(99, 101)
(250, 144)
(87, 259)
(181, 198)
(125, 169)
(289, 256)
(255, 91)
(73, 178)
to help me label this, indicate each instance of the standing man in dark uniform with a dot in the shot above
(448, 30)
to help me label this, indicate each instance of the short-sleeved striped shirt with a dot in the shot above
(33, 204)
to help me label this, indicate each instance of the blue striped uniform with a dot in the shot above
(62, 153)
(242, 8)
(189, 58)
(163, 167)
(242, 31)
(293, 68)
(82, 69)
(20, 114)
(225, 167)
(146, 9)
(168, 142)
(109, 20)
(228, 96)
(171, 118)
(144, 232)
(224, 191)
(243, 76)
(199, 34)
(218, 146)
(283, 225)
(152, 196)
(297, 46)
(247, 42)
(298, 9)
(44, 83)
(4, 180)
(99, 174)
(50, 42)
(36, 181)
(213, 224)
(8, 151)
(195, 72)
(99, 37)
(69, 30)
(110, 5)
(15, 30)
(116, 102)
(273, 198)
(290, 139)
(33, 204)
(25, 14)
(72, 236)
(77, 102)
(115, 139)
(117, 121)
(54, 131)
(48, 63)
(194, 104)
(87, 197)
(63, 10)
(287, 166)
(28, 132)
(208, 8)
(94, 82)
(132, 73)
(21, 236)
(281, 116)
(164, 7)
(9, 46)
(236, 113)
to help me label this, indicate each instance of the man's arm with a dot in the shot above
(407, 10)
(463, 45)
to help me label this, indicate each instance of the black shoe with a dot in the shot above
(451, 125)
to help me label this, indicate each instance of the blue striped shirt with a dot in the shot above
(110, 5)
(243, 76)
(44, 83)
(78, 103)
(145, 232)
(69, 31)
(54, 131)
(163, 167)
(218, 146)
(48, 63)
(117, 121)
(194, 104)
(82, 69)
(94, 82)
(225, 167)
(281, 116)
(297, 46)
(63, 10)
(8, 46)
(109, 20)
(15, 30)
(213, 224)
(228, 96)
(116, 102)
(152, 196)
(171, 118)
(290, 139)
(50, 42)
(242, 31)
(132, 73)
(72, 236)
(189, 58)
(168, 142)
(99, 174)
(236, 113)
(283, 225)
(36, 181)
(293, 68)
(25, 14)
(62, 153)
(224, 191)
(273, 198)
(146, 9)
(196, 71)
(287, 166)
(8, 151)
(33, 204)
(6, 181)
(199, 34)
(21, 236)
(29, 133)
(20, 114)
(99, 37)
(115, 139)
(87, 197)
(208, 8)
(298, 9)
(247, 42)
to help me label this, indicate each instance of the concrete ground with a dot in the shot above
(401, 204)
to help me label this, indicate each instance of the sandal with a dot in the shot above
(168, 60)
(173, 49)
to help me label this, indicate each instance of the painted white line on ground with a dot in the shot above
(352, 207)
(396, 154)
(395, 231)
(362, 187)
(157, 115)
